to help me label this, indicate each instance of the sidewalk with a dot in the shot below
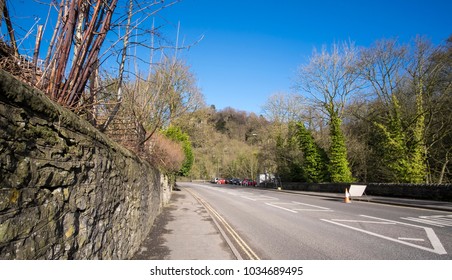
(184, 231)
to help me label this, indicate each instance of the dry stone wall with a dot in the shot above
(66, 190)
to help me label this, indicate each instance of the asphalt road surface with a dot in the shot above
(278, 225)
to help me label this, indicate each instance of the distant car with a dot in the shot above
(221, 181)
(249, 182)
(236, 181)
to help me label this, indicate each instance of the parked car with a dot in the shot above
(236, 181)
(248, 182)
(221, 181)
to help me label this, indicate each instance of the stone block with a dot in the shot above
(66, 190)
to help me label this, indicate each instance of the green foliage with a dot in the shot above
(338, 163)
(176, 134)
(315, 160)
(392, 152)
(417, 169)
(404, 158)
(288, 160)
(393, 147)
(401, 133)
(398, 130)
(233, 149)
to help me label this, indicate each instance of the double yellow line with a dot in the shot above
(245, 248)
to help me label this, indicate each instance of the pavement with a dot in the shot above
(185, 230)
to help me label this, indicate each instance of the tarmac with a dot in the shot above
(185, 229)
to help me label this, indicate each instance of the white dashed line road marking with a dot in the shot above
(280, 207)
(364, 222)
(411, 239)
(260, 198)
(294, 207)
(316, 208)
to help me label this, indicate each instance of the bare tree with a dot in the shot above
(284, 108)
(329, 79)
(5, 15)
(402, 80)
(89, 23)
(74, 50)
(152, 104)
(2, 8)
(438, 105)
(121, 68)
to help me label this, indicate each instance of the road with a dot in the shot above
(267, 224)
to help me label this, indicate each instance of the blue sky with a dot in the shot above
(251, 49)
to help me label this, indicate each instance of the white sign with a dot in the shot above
(357, 190)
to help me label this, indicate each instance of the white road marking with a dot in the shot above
(295, 204)
(400, 223)
(311, 210)
(273, 205)
(260, 197)
(249, 198)
(435, 216)
(411, 239)
(364, 222)
(434, 240)
(423, 221)
(435, 220)
(233, 193)
(310, 205)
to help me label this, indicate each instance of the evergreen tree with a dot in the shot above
(331, 77)
(338, 164)
(314, 158)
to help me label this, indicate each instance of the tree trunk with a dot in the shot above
(443, 169)
(36, 52)
(10, 28)
(121, 69)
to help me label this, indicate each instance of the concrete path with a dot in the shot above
(184, 231)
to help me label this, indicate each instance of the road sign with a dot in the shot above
(357, 190)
